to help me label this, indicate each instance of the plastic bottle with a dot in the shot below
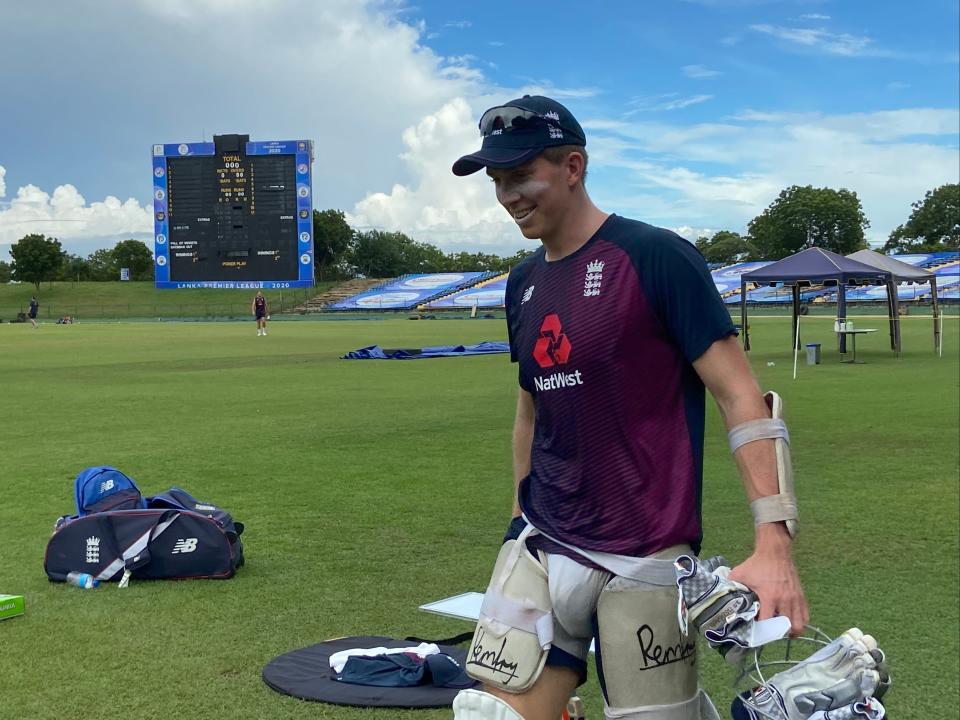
(574, 710)
(82, 580)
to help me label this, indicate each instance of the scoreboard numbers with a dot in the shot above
(233, 213)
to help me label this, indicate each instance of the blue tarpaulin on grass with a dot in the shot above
(375, 352)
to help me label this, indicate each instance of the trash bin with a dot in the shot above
(813, 353)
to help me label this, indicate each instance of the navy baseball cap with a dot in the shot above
(518, 131)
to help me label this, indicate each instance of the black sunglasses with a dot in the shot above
(499, 120)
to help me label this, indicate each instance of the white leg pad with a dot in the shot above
(479, 705)
(699, 707)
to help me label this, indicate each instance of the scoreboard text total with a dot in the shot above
(233, 213)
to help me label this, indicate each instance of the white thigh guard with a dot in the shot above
(515, 630)
(478, 705)
(644, 658)
(699, 707)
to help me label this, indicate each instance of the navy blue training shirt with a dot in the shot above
(605, 339)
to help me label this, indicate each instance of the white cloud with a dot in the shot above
(819, 39)
(699, 72)
(692, 233)
(664, 102)
(814, 16)
(66, 214)
(724, 174)
(458, 24)
(3, 185)
(438, 207)
(350, 75)
(389, 116)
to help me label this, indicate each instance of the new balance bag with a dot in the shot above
(102, 488)
(150, 543)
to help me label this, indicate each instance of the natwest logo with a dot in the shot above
(553, 347)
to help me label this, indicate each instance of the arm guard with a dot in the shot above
(782, 506)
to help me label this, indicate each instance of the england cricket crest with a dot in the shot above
(593, 278)
(93, 550)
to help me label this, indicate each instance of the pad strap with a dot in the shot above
(762, 429)
(522, 617)
(774, 508)
(781, 507)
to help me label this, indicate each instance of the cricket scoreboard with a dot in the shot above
(233, 214)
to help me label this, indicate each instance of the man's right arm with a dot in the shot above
(522, 443)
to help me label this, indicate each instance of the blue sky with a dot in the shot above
(697, 112)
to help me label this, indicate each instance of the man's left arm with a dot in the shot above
(770, 571)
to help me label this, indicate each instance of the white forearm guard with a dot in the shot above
(783, 506)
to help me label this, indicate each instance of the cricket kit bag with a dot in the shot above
(169, 536)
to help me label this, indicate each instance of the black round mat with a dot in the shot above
(306, 674)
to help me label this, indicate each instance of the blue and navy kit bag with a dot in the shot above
(101, 488)
(170, 536)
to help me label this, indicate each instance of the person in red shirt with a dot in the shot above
(617, 330)
(260, 312)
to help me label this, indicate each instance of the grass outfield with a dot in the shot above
(369, 488)
(93, 300)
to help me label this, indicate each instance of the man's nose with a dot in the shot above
(507, 194)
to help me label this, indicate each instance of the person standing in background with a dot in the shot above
(259, 310)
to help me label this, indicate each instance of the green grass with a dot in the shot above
(369, 488)
(96, 300)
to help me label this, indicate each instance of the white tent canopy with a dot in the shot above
(904, 272)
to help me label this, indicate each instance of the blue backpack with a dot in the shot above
(103, 488)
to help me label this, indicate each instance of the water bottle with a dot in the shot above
(574, 710)
(82, 580)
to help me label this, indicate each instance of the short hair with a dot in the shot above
(558, 153)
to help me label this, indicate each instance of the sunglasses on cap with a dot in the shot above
(507, 119)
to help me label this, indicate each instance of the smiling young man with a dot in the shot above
(617, 329)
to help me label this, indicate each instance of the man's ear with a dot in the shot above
(575, 166)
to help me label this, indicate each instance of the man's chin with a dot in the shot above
(531, 232)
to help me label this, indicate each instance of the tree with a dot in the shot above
(510, 262)
(422, 257)
(36, 258)
(136, 256)
(377, 254)
(804, 217)
(933, 225)
(5, 272)
(74, 268)
(332, 238)
(101, 265)
(726, 247)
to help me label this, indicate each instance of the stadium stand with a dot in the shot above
(727, 279)
(339, 292)
(466, 290)
(410, 291)
(485, 294)
(945, 265)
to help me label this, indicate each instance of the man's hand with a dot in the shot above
(772, 575)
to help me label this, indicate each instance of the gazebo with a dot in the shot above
(904, 272)
(815, 266)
